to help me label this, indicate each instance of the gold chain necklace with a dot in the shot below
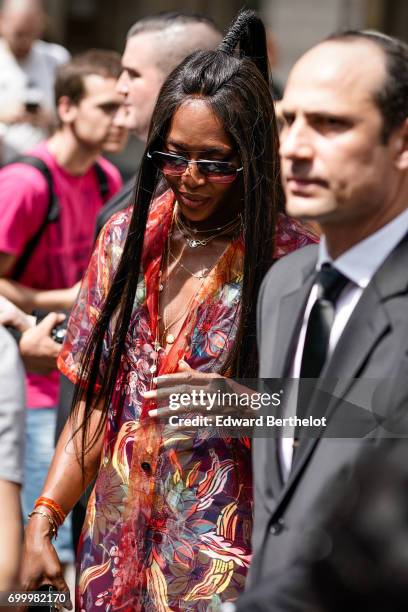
(193, 241)
(204, 231)
(166, 337)
(202, 274)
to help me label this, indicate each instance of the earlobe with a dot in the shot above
(401, 143)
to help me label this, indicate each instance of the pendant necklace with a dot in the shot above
(167, 337)
(194, 241)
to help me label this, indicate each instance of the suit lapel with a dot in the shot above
(291, 309)
(368, 324)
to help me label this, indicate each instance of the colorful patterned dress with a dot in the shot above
(168, 525)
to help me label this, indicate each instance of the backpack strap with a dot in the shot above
(102, 181)
(53, 208)
(51, 216)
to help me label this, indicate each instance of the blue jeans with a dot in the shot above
(40, 432)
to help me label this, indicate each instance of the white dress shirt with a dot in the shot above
(358, 264)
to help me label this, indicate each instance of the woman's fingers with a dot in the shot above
(42, 566)
(53, 574)
(184, 392)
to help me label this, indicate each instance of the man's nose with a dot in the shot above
(119, 118)
(122, 86)
(295, 141)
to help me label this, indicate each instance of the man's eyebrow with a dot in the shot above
(130, 70)
(110, 105)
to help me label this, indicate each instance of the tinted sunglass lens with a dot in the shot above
(174, 165)
(169, 164)
(218, 172)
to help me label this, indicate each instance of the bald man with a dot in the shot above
(27, 73)
(336, 312)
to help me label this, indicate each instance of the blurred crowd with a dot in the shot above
(59, 115)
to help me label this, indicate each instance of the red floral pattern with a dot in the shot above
(175, 536)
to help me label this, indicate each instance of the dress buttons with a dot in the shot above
(146, 467)
(277, 527)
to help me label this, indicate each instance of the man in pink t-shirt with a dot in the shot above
(88, 107)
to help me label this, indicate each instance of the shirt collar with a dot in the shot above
(362, 261)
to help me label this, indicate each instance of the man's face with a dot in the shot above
(95, 120)
(335, 166)
(140, 81)
(20, 30)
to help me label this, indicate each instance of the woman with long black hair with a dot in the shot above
(171, 288)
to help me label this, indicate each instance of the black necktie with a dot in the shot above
(330, 283)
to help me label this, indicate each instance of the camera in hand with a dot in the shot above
(58, 332)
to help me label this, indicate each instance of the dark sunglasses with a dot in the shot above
(176, 165)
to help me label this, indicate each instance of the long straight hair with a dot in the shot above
(235, 84)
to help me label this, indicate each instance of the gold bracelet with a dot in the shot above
(49, 518)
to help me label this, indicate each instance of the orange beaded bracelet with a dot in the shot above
(56, 510)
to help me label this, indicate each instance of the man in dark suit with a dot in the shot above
(335, 312)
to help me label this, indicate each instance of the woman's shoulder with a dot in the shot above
(113, 235)
(291, 235)
(116, 228)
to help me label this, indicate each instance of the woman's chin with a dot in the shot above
(195, 211)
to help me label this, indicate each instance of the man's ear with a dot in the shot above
(401, 144)
(67, 110)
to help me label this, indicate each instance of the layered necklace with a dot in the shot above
(192, 241)
(196, 238)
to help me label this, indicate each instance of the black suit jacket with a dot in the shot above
(371, 352)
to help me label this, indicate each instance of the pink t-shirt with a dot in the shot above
(61, 257)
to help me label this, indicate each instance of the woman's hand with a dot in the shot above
(185, 391)
(40, 564)
(189, 391)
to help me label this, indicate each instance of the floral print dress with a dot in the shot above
(168, 524)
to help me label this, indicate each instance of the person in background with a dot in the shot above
(276, 85)
(27, 74)
(88, 104)
(37, 348)
(38, 353)
(155, 45)
(12, 419)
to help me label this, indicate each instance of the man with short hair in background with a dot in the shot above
(27, 74)
(155, 45)
(88, 109)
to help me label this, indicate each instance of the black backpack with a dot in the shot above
(53, 209)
